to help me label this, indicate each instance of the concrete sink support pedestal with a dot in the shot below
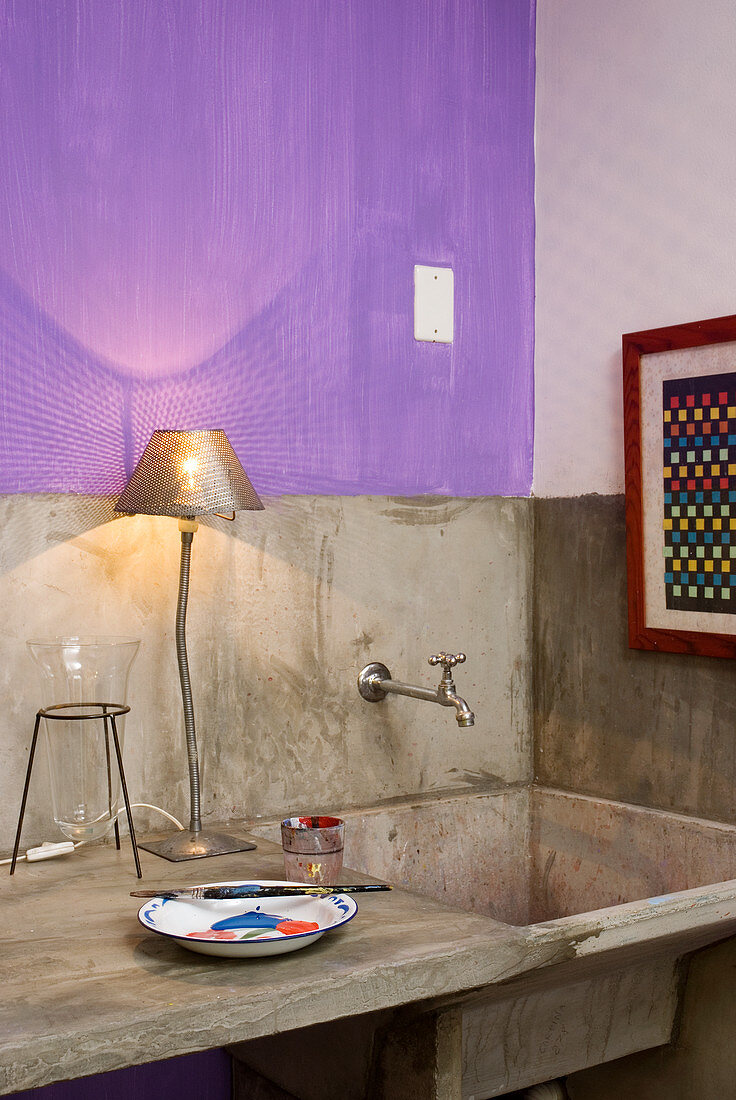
(559, 1019)
(381, 1056)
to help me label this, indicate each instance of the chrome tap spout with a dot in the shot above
(464, 714)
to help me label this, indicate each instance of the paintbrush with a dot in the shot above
(249, 890)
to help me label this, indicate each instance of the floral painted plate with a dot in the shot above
(247, 928)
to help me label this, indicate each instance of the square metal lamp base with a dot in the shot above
(187, 845)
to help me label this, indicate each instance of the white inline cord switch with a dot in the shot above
(49, 850)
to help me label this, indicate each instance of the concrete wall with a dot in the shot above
(286, 606)
(655, 729)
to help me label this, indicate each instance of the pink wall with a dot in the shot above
(209, 216)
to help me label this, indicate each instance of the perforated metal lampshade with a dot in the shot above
(188, 473)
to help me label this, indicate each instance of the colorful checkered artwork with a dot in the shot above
(700, 493)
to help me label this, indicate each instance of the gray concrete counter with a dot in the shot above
(86, 989)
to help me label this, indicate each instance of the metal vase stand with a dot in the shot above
(107, 712)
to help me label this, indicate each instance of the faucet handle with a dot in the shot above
(447, 660)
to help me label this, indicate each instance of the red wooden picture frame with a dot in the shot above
(636, 347)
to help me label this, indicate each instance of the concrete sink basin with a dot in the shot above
(623, 893)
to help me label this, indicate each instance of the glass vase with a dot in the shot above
(81, 675)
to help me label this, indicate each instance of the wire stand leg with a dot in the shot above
(114, 817)
(125, 797)
(25, 793)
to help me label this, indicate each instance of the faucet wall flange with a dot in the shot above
(369, 682)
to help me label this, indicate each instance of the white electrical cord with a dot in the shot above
(148, 806)
(50, 849)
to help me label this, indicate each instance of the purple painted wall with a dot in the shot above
(204, 1076)
(209, 215)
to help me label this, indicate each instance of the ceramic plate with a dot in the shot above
(247, 928)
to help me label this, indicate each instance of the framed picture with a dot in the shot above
(680, 459)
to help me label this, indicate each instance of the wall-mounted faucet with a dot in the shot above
(375, 683)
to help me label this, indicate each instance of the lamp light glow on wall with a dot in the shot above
(188, 474)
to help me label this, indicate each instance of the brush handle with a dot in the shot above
(233, 893)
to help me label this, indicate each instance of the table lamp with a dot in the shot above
(188, 474)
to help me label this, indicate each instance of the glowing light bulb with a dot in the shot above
(189, 466)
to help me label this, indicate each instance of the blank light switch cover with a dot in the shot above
(434, 304)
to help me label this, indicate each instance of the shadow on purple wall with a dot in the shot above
(209, 217)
